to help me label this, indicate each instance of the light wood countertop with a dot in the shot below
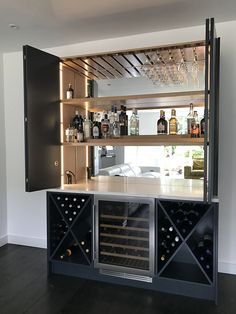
(163, 188)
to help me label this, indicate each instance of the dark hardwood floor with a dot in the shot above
(25, 288)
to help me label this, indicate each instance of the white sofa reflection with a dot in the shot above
(129, 170)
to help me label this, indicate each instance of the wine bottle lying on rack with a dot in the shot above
(68, 252)
(204, 251)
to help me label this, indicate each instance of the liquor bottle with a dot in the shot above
(87, 128)
(202, 126)
(123, 119)
(162, 123)
(77, 121)
(111, 117)
(80, 134)
(126, 121)
(70, 134)
(173, 123)
(189, 118)
(116, 125)
(134, 123)
(195, 125)
(95, 130)
(70, 92)
(105, 126)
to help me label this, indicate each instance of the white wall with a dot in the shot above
(27, 211)
(3, 199)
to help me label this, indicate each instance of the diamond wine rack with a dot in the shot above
(70, 227)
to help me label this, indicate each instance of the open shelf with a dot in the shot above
(142, 140)
(144, 101)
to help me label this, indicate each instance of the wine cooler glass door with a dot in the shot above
(125, 234)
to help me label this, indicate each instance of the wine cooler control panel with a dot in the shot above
(124, 233)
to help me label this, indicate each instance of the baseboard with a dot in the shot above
(28, 241)
(3, 240)
(227, 268)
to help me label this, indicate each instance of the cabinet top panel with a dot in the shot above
(164, 188)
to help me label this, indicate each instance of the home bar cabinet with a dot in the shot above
(156, 233)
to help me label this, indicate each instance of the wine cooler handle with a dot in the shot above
(94, 232)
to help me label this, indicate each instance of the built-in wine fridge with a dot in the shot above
(124, 236)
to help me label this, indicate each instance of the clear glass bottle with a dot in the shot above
(70, 92)
(189, 118)
(116, 125)
(162, 123)
(195, 129)
(173, 123)
(134, 123)
(87, 128)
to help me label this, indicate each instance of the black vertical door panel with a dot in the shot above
(42, 119)
(211, 111)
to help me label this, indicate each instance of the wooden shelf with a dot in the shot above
(144, 101)
(142, 140)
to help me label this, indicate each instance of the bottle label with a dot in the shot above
(173, 128)
(80, 137)
(95, 131)
(69, 94)
(161, 128)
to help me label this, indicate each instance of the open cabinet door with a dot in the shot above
(212, 68)
(42, 119)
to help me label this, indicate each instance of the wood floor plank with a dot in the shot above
(26, 289)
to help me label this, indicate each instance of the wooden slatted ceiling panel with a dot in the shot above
(128, 64)
(116, 65)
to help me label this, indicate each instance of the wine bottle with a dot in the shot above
(87, 128)
(165, 225)
(69, 251)
(70, 92)
(178, 216)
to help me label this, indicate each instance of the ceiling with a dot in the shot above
(49, 23)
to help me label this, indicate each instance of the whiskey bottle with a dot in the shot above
(70, 92)
(195, 125)
(162, 123)
(189, 118)
(173, 123)
(134, 123)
